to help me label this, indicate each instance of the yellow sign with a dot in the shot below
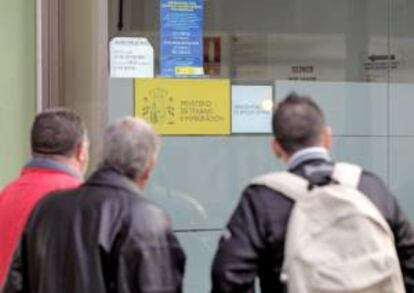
(184, 106)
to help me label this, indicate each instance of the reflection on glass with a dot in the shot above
(355, 57)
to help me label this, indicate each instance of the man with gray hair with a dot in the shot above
(103, 236)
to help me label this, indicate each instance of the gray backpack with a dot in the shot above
(337, 240)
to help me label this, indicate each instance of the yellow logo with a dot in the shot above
(158, 107)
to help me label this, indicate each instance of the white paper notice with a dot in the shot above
(131, 58)
(252, 108)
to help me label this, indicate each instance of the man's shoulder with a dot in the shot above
(373, 185)
(24, 180)
(48, 178)
(28, 184)
(376, 189)
(130, 202)
(370, 184)
(367, 175)
(258, 183)
(11, 185)
(57, 198)
(144, 207)
(146, 219)
(265, 196)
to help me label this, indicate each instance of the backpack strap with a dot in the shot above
(347, 174)
(294, 186)
(289, 184)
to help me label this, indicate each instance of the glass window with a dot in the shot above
(354, 57)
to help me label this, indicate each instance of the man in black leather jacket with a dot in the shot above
(253, 244)
(103, 236)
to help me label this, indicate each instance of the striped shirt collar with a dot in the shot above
(306, 154)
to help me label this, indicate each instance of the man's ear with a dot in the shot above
(279, 151)
(145, 174)
(327, 138)
(82, 155)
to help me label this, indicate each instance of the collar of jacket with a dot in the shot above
(110, 177)
(51, 164)
(307, 154)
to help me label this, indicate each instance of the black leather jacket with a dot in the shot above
(101, 237)
(254, 243)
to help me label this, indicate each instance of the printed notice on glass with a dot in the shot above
(181, 38)
(184, 106)
(252, 108)
(131, 58)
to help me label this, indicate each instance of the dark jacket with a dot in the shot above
(253, 245)
(102, 237)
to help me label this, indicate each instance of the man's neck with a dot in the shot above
(305, 154)
(55, 162)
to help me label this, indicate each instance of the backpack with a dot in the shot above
(337, 240)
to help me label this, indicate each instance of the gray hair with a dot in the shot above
(129, 144)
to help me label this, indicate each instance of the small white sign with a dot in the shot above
(252, 107)
(131, 58)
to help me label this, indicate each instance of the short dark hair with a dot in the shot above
(57, 132)
(297, 123)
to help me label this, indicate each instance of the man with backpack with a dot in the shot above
(319, 227)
